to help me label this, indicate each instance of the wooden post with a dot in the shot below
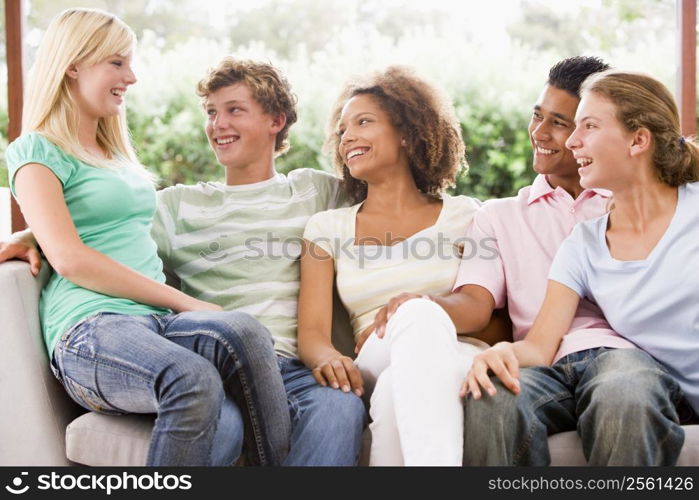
(687, 65)
(14, 27)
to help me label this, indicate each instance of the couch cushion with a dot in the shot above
(690, 450)
(104, 440)
(115, 440)
(566, 448)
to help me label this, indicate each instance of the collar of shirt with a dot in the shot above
(541, 188)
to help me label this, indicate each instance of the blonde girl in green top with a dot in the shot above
(119, 339)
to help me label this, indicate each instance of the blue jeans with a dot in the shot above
(327, 423)
(622, 402)
(192, 369)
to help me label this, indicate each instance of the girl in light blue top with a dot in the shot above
(639, 262)
(106, 313)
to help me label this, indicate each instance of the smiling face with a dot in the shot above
(370, 146)
(100, 88)
(601, 145)
(241, 134)
(550, 125)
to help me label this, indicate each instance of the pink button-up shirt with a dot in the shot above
(511, 244)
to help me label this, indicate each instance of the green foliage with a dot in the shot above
(499, 153)
(167, 120)
(173, 145)
(320, 44)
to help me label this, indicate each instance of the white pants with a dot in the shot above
(415, 373)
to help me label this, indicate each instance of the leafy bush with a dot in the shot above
(493, 84)
(167, 120)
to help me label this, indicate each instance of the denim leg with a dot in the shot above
(627, 416)
(228, 440)
(242, 351)
(508, 429)
(119, 364)
(327, 423)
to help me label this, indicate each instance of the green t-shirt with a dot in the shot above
(239, 246)
(112, 209)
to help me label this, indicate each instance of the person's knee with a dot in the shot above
(244, 322)
(190, 395)
(342, 412)
(238, 330)
(498, 429)
(488, 409)
(416, 317)
(630, 418)
(418, 309)
(629, 380)
(629, 383)
(350, 408)
(194, 384)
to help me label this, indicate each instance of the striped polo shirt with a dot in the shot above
(238, 246)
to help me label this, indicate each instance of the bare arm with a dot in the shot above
(551, 324)
(40, 195)
(470, 308)
(329, 366)
(499, 328)
(537, 349)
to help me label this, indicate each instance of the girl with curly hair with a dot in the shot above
(398, 145)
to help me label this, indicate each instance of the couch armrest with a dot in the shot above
(34, 408)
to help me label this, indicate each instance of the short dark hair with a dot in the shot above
(569, 74)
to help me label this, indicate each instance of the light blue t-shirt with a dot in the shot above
(653, 302)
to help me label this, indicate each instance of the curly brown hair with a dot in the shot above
(641, 101)
(423, 116)
(268, 86)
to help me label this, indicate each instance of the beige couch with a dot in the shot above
(40, 425)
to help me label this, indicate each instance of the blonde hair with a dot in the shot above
(268, 86)
(641, 101)
(86, 36)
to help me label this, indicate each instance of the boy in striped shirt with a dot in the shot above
(237, 244)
